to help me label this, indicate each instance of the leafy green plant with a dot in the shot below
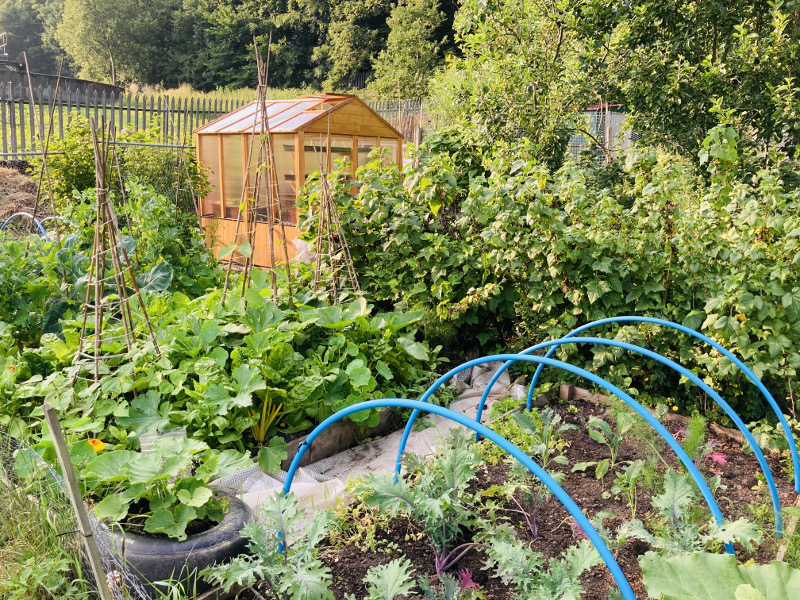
(625, 483)
(40, 555)
(523, 493)
(451, 587)
(707, 576)
(282, 553)
(679, 531)
(154, 492)
(544, 435)
(437, 499)
(527, 572)
(602, 433)
(385, 582)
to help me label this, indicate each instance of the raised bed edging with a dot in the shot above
(338, 438)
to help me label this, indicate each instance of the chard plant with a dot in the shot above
(438, 498)
(282, 554)
(716, 577)
(678, 531)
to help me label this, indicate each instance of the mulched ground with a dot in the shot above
(349, 564)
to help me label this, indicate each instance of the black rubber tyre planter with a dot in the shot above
(156, 559)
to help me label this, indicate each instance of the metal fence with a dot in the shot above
(24, 124)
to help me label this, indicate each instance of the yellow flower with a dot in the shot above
(96, 444)
(674, 409)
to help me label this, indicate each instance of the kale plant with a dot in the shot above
(679, 531)
(282, 547)
(526, 571)
(437, 500)
(385, 582)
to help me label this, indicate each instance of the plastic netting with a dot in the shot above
(26, 474)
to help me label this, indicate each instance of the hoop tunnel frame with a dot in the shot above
(25, 214)
(719, 348)
(503, 443)
(640, 410)
(776, 503)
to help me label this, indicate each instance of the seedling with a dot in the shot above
(625, 483)
(545, 437)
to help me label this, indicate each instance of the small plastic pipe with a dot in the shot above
(484, 431)
(640, 410)
(721, 349)
(776, 503)
(29, 215)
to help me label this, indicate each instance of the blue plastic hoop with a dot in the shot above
(553, 344)
(484, 431)
(721, 349)
(29, 215)
(640, 410)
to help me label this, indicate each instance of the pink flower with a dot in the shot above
(717, 457)
(465, 581)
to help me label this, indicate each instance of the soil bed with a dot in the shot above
(556, 531)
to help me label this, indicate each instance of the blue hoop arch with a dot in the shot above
(721, 349)
(36, 222)
(553, 344)
(484, 431)
(640, 410)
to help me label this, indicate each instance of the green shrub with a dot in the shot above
(506, 250)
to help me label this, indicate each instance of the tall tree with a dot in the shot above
(112, 40)
(678, 56)
(356, 33)
(22, 21)
(412, 54)
(525, 71)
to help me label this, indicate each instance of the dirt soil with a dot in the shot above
(349, 564)
(17, 192)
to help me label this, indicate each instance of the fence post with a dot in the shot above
(3, 103)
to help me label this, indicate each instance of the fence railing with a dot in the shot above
(25, 124)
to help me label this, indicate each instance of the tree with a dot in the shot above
(403, 69)
(526, 71)
(679, 56)
(355, 35)
(21, 20)
(112, 40)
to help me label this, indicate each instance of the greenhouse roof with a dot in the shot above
(285, 116)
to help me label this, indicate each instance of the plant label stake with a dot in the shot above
(84, 527)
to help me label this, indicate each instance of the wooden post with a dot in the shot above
(84, 527)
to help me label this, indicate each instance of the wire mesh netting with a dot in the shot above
(31, 489)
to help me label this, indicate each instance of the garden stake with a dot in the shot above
(719, 348)
(762, 462)
(484, 431)
(71, 481)
(640, 410)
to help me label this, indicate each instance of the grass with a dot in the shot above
(242, 94)
(38, 546)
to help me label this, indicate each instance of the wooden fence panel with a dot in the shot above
(24, 125)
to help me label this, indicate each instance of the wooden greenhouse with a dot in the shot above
(305, 133)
